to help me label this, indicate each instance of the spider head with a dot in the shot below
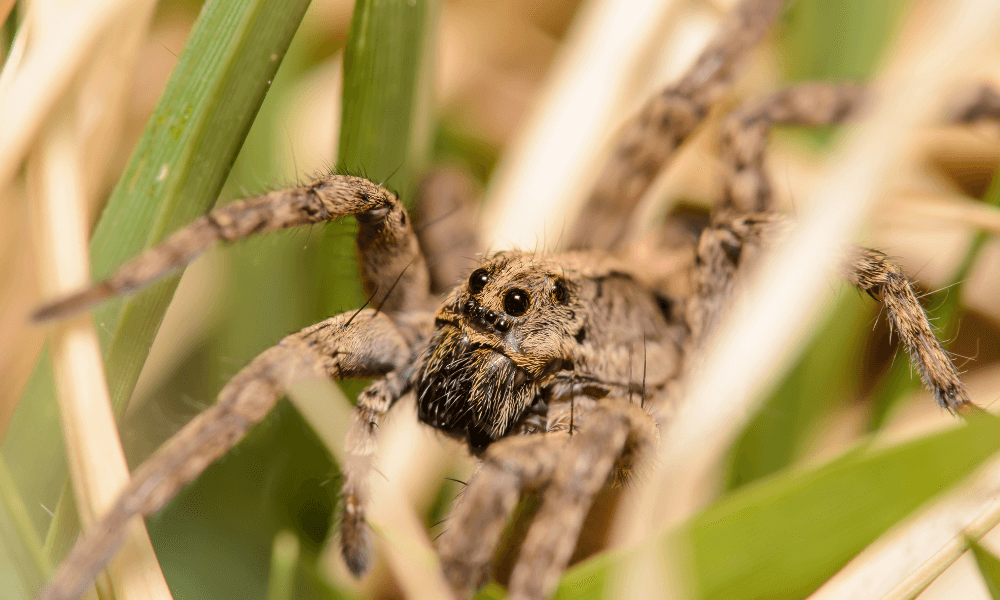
(499, 337)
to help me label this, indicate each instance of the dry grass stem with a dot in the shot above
(411, 464)
(544, 176)
(768, 321)
(65, 172)
(942, 208)
(51, 62)
(97, 463)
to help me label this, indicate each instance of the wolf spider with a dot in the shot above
(556, 371)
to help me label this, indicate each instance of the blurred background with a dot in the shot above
(490, 62)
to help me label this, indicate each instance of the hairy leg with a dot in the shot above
(611, 439)
(447, 216)
(746, 130)
(886, 283)
(510, 466)
(609, 436)
(361, 444)
(648, 141)
(353, 345)
(392, 266)
(723, 253)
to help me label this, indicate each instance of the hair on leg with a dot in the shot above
(885, 282)
(352, 345)
(650, 139)
(392, 267)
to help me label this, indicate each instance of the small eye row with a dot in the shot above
(486, 316)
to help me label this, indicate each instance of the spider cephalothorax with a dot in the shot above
(521, 329)
(500, 337)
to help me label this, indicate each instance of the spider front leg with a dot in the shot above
(568, 469)
(884, 281)
(361, 444)
(392, 266)
(363, 344)
(611, 439)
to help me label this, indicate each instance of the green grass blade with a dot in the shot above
(783, 537)
(280, 476)
(284, 561)
(22, 557)
(989, 568)
(175, 173)
(385, 118)
(385, 111)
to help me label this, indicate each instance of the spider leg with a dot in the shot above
(510, 466)
(447, 216)
(612, 438)
(871, 272)
(570, 469)
(352, 345)
(649, 140)
(361, 443)
(745, 134)
(392, 266)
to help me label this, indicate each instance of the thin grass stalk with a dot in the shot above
(35, 567)
(570, 124)
(284, 563)
(97, 462)
(45, 74)
(917, 581)
(767, 324)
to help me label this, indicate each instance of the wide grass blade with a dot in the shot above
(175, 173)
(782, 537)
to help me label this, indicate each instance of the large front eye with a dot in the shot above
(515, 302)
(478, 279)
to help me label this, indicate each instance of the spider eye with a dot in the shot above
(515, 302)
(478, 279)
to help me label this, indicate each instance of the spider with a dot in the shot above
(556, 371)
